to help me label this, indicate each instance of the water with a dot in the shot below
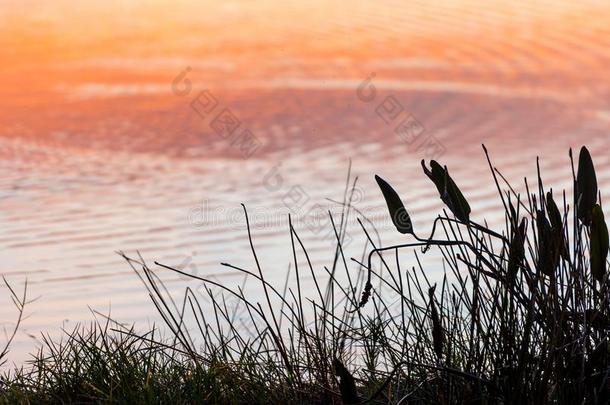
(100, 154)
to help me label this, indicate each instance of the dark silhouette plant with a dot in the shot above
(519, 316)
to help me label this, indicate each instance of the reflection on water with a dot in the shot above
(99, 155)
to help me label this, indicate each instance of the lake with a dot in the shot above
(142, 126)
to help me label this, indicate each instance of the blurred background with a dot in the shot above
(140, 126)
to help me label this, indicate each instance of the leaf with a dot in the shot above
(398, 212)
(347, 384)
(448, 190)
(586, 187)
(599, 243)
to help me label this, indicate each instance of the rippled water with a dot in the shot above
(100, 154)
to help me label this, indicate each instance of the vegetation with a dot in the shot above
(520, 316)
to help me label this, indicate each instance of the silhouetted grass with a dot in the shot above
(520, 316)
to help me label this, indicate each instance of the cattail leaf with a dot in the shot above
(398, 212)
(586, 187)
(347, 384)
(448, 190)
(599, 243)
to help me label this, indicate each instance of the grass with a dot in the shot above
(520, 316)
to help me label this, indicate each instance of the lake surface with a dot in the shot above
(104, 147)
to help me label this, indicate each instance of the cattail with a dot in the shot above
(599, 244)
(398, 212)
(366, 294)
(516, 252)
(438, 337)
(448, 190)
(586, 187)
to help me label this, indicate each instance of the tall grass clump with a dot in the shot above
(519, 315)
(106, 362)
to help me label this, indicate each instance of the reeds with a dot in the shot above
(19, 302)
(519, 316)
